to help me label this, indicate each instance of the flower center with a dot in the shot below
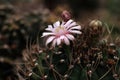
(60, 30)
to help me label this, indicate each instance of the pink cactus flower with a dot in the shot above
(61, 32)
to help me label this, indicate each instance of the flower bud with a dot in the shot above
(95, 24)
(65, 15)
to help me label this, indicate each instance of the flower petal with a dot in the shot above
(75, 31)
(76, 27)
(54, 42)
(50, 26)
(66, 40)
(68, 23)
(62, 37)
(50, 39)
(69, 36)
(58, 41)
(71, 25)
(56, 24)
(63, 23)
(49, 29)
(47, 33)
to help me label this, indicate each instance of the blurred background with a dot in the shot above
(21, 21)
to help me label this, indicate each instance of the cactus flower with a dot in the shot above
(61, 32)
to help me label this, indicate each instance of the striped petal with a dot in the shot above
(56, 24)
(75, 31)
(62, 37)
(47, 34)
(58, 41)
(76, 27)
(63, 23)
(54, 42)
(68, 23)
(66, 41)
(50, 39)
(49, 29)
(50, 26)
(71, 25)
(69, 36)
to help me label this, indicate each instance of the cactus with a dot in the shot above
(92, 55)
